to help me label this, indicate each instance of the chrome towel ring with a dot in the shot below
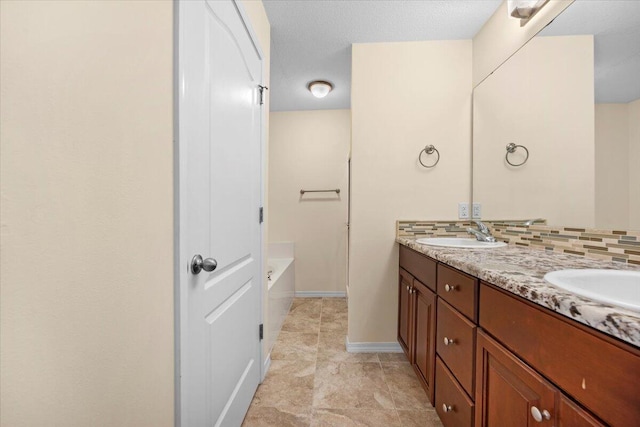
(511, 148)
(429, 149)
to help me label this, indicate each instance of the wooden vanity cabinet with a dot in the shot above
(508, 361)
(417, 315)
(586, 367)
(509, 392)
(508, 389)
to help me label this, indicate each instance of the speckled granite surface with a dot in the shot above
(521, 270)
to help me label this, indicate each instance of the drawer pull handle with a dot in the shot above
(448, 341)
(447, 408)
(539, 416)
(449, 288)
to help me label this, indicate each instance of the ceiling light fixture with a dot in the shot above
(524, 9)
(320, 88)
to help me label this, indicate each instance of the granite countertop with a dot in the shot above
(521, 270)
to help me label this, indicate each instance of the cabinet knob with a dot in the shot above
(408, 288)
(539, 416)
(448, 341)
(447, 408)
(449, 288)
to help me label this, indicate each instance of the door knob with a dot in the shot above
(198, 264)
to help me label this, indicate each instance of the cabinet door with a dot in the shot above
(571, 415)
(424, 325)
(507, 390)
(405, 312)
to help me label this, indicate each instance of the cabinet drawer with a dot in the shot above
(458, 352)
(599, 375)
(420, 266)
(458, 289)
(453, 406)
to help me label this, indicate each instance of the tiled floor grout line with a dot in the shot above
(384, 378)
(328, 317)
(315, 368)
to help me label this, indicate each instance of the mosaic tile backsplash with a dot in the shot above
(612, 245)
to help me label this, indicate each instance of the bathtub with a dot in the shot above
(281, 288)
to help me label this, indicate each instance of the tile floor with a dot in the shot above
(313, 381)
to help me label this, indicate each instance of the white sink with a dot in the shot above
(459, 242)
(616, 287)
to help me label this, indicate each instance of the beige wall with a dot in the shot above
(262, 29)
(310, 150)
(634, 165)
(404, 96)
(612, 165)
(541, 98)
(501, 36)
(87, 223)
(86, 261)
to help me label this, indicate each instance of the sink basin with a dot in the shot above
(459, 242)
(616, 287)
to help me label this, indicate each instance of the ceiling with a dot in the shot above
(616, 27)
(311, 39)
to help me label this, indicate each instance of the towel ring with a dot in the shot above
(429, 149)
(511, 148)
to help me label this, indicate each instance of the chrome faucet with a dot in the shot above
(482, 233)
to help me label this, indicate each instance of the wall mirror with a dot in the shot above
(569, 99)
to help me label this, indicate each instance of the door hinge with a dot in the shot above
(262, 89)
(261, 329)
(261, 215)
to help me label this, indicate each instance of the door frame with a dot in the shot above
(181, 257)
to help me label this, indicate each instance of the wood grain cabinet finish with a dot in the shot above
(417, 327)
(419, 266)
(509, 355)
(599, 373)
(405, 283)
(452, 404)
(424, 318)
(455, 344)
(508, 389)
(458, 289)
(571, 415)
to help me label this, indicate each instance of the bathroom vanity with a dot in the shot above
(495, 345)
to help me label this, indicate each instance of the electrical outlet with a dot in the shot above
(463, 210)
(476, 210)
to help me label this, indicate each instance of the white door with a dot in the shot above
(219, 114)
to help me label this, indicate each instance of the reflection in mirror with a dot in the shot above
(583, 168)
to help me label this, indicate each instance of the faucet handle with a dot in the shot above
(481, 226)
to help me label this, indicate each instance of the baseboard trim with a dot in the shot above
(372, 347)
(265, 367)
(316, 294)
